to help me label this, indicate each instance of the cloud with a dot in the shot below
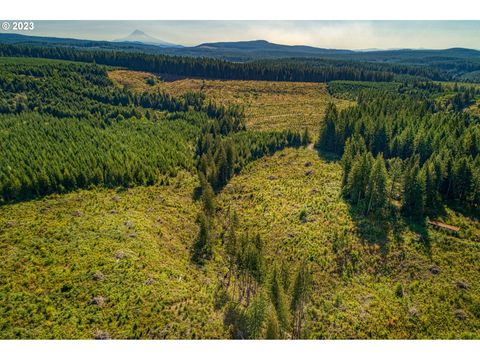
(333, 35)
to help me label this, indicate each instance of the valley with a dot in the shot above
(198, 208)
(269, 105)
(371, 279)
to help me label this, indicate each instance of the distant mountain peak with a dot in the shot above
(139, 36)
(137, 32)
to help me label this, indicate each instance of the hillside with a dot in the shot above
(457, 64)
(106, 263)
(253, 49)
(259, 49)
(268, 105)
(372, 279)
(135, 205)
(117, 263)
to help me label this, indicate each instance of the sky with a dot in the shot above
(357, 35)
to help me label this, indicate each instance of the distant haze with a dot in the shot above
(325, 34)
(142, 37)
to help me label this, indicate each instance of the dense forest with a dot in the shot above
(459, 64)
(389, 69)
(400, 145)
(72, 128)
(324, 69)
(210, 68)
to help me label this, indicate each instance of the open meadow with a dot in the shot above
(372, 279)
(137, 208)
(269, 105)
(106, 264)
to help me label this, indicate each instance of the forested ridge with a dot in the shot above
(66, 126)
(285, 69)
(459, 64)
(401, 145)
(211, 68)
(299, 244)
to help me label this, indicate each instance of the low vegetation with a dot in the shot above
(106, 263)
(139, 205)
(372, 278)
(268, 105)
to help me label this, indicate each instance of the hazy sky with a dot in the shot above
(328, 34)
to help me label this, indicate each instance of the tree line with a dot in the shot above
(363, 70)
(66, 126)
(263, 298)
(85, 91)
(208, 67)
(399, 147)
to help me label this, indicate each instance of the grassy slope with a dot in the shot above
(140, 240)
(269, 196)
(268, 105)
(50, 249)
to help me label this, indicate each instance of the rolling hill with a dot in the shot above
(249, 50)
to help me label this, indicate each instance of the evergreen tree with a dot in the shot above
(277, 297)
(300, 296)
(353, 146)
(414, 193)
(256, 316)
(208, 199)
(231, 245)
(223, 170)
(250, 265)
(377, 195)
(359, 176)
(203, 245)
(395, 172)
(431, 186)
(273, 328)
(327, 139)
(463, 178)
(231, 157)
